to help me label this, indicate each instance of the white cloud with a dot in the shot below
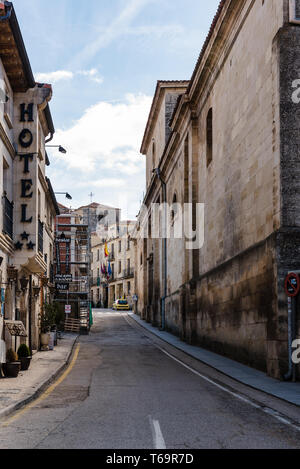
(62, 75)
(103, 154)
(107, 136)
(92, 74)
(54, 77)
(115, 30)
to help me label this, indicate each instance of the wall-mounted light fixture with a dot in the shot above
(36, 291)
(24, 283)
(60, 148)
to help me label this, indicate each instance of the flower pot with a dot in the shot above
(45, 337)
(25, 363)
(11, 370)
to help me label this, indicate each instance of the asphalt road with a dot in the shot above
(125, 393)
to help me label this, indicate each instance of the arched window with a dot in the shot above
(209, 137)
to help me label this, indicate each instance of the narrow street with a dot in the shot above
(123, 392)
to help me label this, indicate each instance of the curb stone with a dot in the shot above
(45, 384)
(263, 389)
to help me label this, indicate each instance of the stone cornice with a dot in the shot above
(221, 42)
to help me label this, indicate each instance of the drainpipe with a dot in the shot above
(50, 138)
(165, 254)
(291, 374)
(30, 312)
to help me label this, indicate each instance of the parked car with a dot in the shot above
(121, 305)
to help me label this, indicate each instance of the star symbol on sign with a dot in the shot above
(25, 236)
(18, 246)
(30, 246)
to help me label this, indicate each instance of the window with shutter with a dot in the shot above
(295, 11)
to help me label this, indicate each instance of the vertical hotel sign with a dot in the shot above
(28, 176)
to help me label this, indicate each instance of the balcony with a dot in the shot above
(8, 214)
(128, 273)
(41, 237)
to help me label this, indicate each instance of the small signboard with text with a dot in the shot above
(61, 286)
(64, 278)
(68, 309)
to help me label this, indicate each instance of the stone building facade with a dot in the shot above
(228, 138)
(121, 248)
(28, 202)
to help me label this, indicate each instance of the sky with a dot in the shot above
(103, 58)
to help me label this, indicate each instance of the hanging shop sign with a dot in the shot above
(62, 286)
(67, 258)
(68, 309)
(26, 184)
(12, 274)
(58, 263)
(292, 285)
(65, 278)
(16, 328)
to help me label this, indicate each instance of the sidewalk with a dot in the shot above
(45, 366)
(286, 391)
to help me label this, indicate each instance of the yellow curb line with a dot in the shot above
(47, 392)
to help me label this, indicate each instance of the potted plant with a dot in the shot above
(24, 356)
(47, 321)
(12, 366)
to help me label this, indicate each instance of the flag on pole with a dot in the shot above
(106, 250)
(109, 271)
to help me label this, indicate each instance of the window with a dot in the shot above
(128, 288)
(153, 154)
(120, 267)
(174, 208)
(141, 259)
(98, 255)
(128, 266)
(295, 11)
(209, 137)
(8, 106)
(39, 204)
(120, 246)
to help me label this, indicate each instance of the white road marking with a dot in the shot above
(158, 439)
(266, 410)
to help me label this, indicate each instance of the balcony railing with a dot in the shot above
(128, 273)
(8, 214)
(41, 237)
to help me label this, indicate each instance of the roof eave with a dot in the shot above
(15, 29)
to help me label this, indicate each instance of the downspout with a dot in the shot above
(30, 313)
(165, 254)
(291, 374)
(50, 138)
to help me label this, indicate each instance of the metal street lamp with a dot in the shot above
(60, 148)
(68, 196)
